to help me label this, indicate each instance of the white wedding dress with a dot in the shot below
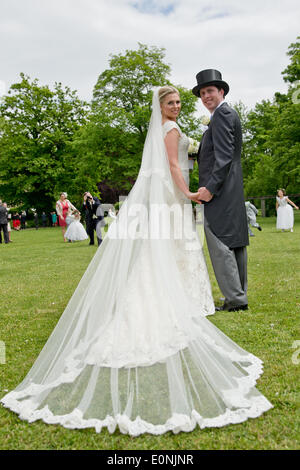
(285, 214)
(76, 231)
(134, 348)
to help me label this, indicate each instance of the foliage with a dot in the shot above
(106, 154)
(127, 86)
(110, 146)
(37, 128)
(50, 141)
(292, 73)
(271, 139)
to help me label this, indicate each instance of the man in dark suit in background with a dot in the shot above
(3, 223)
(221, 190)
(89, 209)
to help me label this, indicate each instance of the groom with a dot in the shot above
(221, 190)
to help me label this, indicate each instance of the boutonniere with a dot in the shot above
(205, 120)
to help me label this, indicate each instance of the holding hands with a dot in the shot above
(195, 197)
(203, 194)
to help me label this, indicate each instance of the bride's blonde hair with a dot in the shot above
(166, 90)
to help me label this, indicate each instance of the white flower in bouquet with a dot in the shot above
(205, 120)
(194, 146)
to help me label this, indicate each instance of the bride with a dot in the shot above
(134, 348)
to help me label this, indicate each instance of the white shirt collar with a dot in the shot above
(220, 104)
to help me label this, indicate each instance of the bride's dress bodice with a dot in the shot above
(183, 146)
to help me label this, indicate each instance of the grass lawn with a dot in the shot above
(38, 274)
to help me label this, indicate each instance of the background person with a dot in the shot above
(44, 219)
(76, 231)
(23, 220)
(89, 209)
(53, 219)
(285, 214)
(16, 219)
(3, 223)
(8, 222)
(36, 220)
(252, 212)
(63, 208)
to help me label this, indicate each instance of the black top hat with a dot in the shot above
(209, 77)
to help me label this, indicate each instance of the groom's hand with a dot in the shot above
(204, 194)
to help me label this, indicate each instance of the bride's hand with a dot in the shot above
(195, 197)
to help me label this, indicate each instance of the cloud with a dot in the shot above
(154, 7)
(71, 40)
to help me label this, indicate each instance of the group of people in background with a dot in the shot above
(68, 218)
(18, 220)
(52, 219)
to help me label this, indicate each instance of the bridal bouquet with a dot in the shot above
(194, 146)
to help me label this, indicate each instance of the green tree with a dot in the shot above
(292, 72)
(112, 141)
(243, 112)
(37, 128)
(127, 86)
(106, 157)
(271, 144)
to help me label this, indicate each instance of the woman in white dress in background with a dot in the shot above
(285, 214)
(75, 231)
(134, 348)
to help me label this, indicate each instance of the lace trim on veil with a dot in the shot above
(178, 422)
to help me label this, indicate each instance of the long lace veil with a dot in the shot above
(141, 236)
(132, 348)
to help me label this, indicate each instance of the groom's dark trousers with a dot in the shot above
(226, 229)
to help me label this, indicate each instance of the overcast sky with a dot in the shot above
(69, 41)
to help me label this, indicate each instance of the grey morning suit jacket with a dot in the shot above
(220, 171)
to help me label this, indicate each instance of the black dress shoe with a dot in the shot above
(236, 309)
(220, 309)
(231, 309)
(259, 228)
